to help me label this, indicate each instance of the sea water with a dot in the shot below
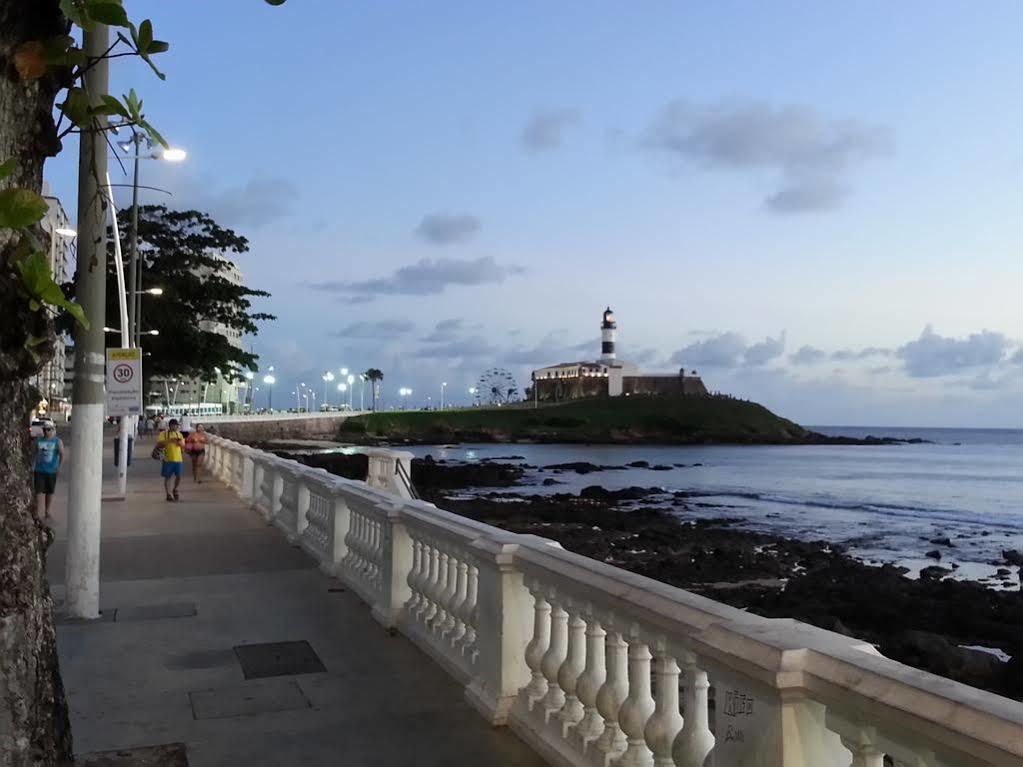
(885, 503)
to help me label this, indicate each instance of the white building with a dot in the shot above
(196, 394)
(59, 238)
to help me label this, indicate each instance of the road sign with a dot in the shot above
(124, 381)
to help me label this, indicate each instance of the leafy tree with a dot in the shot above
(40, 60)
(374, 376)
(183, 253)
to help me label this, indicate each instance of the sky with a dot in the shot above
(814, 205)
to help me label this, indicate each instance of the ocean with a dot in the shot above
(884, 503)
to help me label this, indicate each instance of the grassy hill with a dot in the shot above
(619, 420)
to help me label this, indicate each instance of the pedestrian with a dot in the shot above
(195, 445)
(161, 422)
(172, 441)
(49, 457)
(186, 424)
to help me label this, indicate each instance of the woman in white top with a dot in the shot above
(186, 425)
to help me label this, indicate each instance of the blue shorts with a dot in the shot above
(172, 469)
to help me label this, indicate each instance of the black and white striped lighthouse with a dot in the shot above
(607, 336)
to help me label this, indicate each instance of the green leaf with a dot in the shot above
(153, 133)
(76, 106)
(158, 46)
(7, 168)
(275, 2)
(107, 12)
(74, 10)
(111, 106)
(37, 280)
(20, 208)
(134, 105)
(145, 36)
(35, 341)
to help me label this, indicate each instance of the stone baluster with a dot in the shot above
(276, 493)
(589, 683)
(696, 740)
(412, 606)
(612, 694)
(422, 602)
(248, 489)
(393, 564)
(258, 494)
(568, 675)
(342, 523)
(637, 707)
(301, 505)
(864, 753)
(458, 612)
(447, 597)
(429, 588)
(440, 612)
(666, 722)
(471, 613)
(553, 658)
(537, 647)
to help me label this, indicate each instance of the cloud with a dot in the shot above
(729, 350)
(445, 330)
(376, 329)
(447, 228)
(724, 350)
(808, 355)
(473, 346)
(811, 155)
(933, 355)
(426, 277)
(543, 132)
(259, 201)
(765, 351)
(849, 355)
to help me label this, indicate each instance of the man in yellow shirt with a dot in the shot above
(172, 441)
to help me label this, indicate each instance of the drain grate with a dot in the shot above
(278, 659)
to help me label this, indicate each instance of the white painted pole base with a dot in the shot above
(123, 432)
(85, 490)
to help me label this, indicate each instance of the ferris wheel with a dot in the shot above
(496, 386)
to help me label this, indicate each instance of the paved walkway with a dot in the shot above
(183, 585)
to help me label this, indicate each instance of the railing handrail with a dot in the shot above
(784, 654)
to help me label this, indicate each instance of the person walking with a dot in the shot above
(186, 424)
(49, 457)
(172, 442)
(195, 446)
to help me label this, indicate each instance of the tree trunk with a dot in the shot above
(34, 727)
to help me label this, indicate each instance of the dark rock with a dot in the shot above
(934, 572)
(660, 467)
(1013, 557)
(942, 541)
(551, 481)
(580, 467)
(639, 464)
(596, 492)
(1003, 572)
(935, 554)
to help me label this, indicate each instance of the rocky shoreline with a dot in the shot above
(930, 623)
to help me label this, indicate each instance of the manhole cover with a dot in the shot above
(278, 659)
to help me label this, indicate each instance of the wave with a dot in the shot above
(903, 511)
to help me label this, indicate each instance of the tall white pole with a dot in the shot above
(85, 486)
(124, 429)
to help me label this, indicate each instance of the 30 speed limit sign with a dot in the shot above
(124, 381)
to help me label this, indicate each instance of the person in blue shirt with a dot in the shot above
(49, 457)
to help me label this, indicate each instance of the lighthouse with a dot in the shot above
(607, 336)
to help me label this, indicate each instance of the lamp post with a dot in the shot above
(443, 386)
(362, 385)
(351, 389)
(404, 393)
(342, 388)
(134, 267)
(269, 380)
(327, 378)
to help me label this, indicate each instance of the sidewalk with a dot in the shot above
(184, 586)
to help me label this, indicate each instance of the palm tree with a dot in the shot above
(374, 376)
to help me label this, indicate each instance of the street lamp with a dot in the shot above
(404, 393)
(362, 386)
(327, 377)
(269, 380)
(351, 389)
(170, 154)
(443, 386)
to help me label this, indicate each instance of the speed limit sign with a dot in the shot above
(124, 381)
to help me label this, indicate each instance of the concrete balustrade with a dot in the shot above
(593, 665)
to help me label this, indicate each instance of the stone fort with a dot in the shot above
(609, 376)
